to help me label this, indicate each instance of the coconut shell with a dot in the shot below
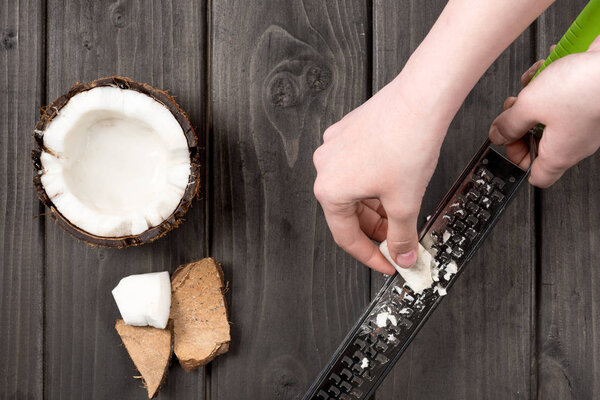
(150, 349)
(191, 191)
(199, 313)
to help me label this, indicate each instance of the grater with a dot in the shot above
(452, 235)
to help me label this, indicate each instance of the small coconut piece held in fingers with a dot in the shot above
(116, 162)
(150, 350)
(199, 313)
(419, 276)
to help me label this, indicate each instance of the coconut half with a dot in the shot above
(116, 162)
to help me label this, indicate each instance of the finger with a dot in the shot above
(552, 48)
(518, 153)
(527, 75)
(512, 124)
(375, 204)
(509, 102)
(595, 46)
(402, 236)
(372, 223)
(549, 165)
(544, 173)
(346, 231)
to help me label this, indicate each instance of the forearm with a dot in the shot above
(465, 40)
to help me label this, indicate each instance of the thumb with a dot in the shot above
(402, 238)
(550, 164)
(514, 122)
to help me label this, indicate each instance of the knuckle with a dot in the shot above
(536, 180)
(318, 157)
(402, 246)
(402, 213)
(330, 132)
(399, 242)
(321, 191)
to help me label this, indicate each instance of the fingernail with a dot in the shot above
(495, 135)
(406, 260)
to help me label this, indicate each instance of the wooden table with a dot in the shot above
(522, 323)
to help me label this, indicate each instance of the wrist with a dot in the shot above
(461, 45)
(427, 98)
(425, 103)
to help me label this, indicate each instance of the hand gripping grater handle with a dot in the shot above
(452, 235)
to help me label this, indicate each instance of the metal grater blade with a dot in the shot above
(453, 234)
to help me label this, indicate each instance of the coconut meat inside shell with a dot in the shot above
(115, 162)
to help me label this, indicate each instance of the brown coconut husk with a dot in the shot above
(150, 349)
(151, 234)
(199, 313)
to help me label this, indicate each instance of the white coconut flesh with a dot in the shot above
(144, 299)
(117, 162)
(419, 276)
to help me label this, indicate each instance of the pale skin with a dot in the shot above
(565, 98)
(375, 163)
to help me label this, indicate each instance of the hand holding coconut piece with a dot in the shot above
(419, 276)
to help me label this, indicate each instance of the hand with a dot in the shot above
(566, 98)
(372, 171)
(375, 164)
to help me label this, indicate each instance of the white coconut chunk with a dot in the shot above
(440, 290)
(418, 277)
(144, 299)
(383, 318)
(119, 158)
(451, 269)
(446, 236)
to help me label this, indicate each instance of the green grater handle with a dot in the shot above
(579, 36)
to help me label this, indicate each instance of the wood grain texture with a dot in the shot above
(160, 43)
(569, 320)
(282, 72)
(478, 344)
(21, 232)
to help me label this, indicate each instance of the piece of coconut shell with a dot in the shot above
(191, 191)
(199, 313)
(151, 350)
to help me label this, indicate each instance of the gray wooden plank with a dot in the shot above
(478, 344)
(569, 320)
(160, 43)
(21, 232)
(293, 293)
